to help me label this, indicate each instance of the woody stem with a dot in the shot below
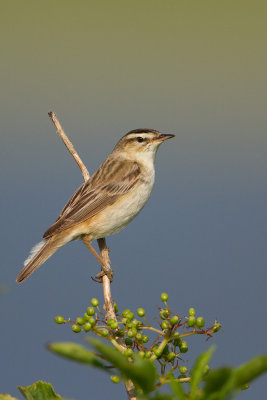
(109, 308)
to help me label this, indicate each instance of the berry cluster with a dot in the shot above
(129, 333)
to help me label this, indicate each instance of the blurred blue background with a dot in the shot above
(194, 69)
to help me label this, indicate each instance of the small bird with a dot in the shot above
(108, 201)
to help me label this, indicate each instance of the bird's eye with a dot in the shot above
(140, 139)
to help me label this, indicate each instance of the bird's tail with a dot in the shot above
(38, 255)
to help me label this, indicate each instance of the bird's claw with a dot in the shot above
(99, 277)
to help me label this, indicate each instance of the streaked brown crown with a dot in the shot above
(144, 130)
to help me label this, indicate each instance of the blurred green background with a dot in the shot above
(196, 69)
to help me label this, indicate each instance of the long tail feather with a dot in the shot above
(38, 255)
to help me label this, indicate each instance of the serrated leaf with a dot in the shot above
(199, 370)
(7, 396)
(76, 352)
(39, 391)
(141, 372)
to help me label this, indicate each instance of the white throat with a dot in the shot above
(146, 158)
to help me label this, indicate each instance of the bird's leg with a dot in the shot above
(106, 270)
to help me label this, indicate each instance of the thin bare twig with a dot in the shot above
(69, 145)
(104, 251)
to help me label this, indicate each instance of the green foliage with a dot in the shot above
(221, 384)
(198, 371)
(134, 361)
(76, 352)
(160, 342)
(141, 372)
(129, 358)
(39, 391)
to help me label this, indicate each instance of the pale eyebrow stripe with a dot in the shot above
(134, 136)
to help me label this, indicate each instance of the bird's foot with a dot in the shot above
(99, 277)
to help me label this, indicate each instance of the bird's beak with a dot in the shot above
(162, 137)
(165, 137)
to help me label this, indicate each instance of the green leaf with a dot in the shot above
(39, 391)
(177, 389)
(7, 396)
(249, 371)
(226, 383)
(199, 370)
(217, 383)
(76, 352)
(141, 372)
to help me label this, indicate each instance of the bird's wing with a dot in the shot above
(113, 179)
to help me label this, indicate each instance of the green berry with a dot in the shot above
(191, 312)
(174, 320)
(183, 347)
(139, 337)
(59, 320)
(163, 314)
(76, 328)
(125, 312)
(165, 325)
(164, 297)
(166, 350)
(128, 341)
(80, 321)
(91, 320)
(104, 332)
(132, 332)
(200, 322)
(176, 339)
(141, 312)
(141, 354)
(116, 308)
(191, 321)
(115, 378)
(94, 302)
(183, 370)
(216, 327)
(86, 317)
(90, 311)
(128, 352)
(171, 356)
(124, 321)
(145, 339)
(87, 327)
(114, 325)
(110, 321)
(177, 342)
(135, 323)
(130, 316)
(148, 354)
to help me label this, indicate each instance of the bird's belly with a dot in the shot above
(117, 216)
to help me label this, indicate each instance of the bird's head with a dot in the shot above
(141, 143)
